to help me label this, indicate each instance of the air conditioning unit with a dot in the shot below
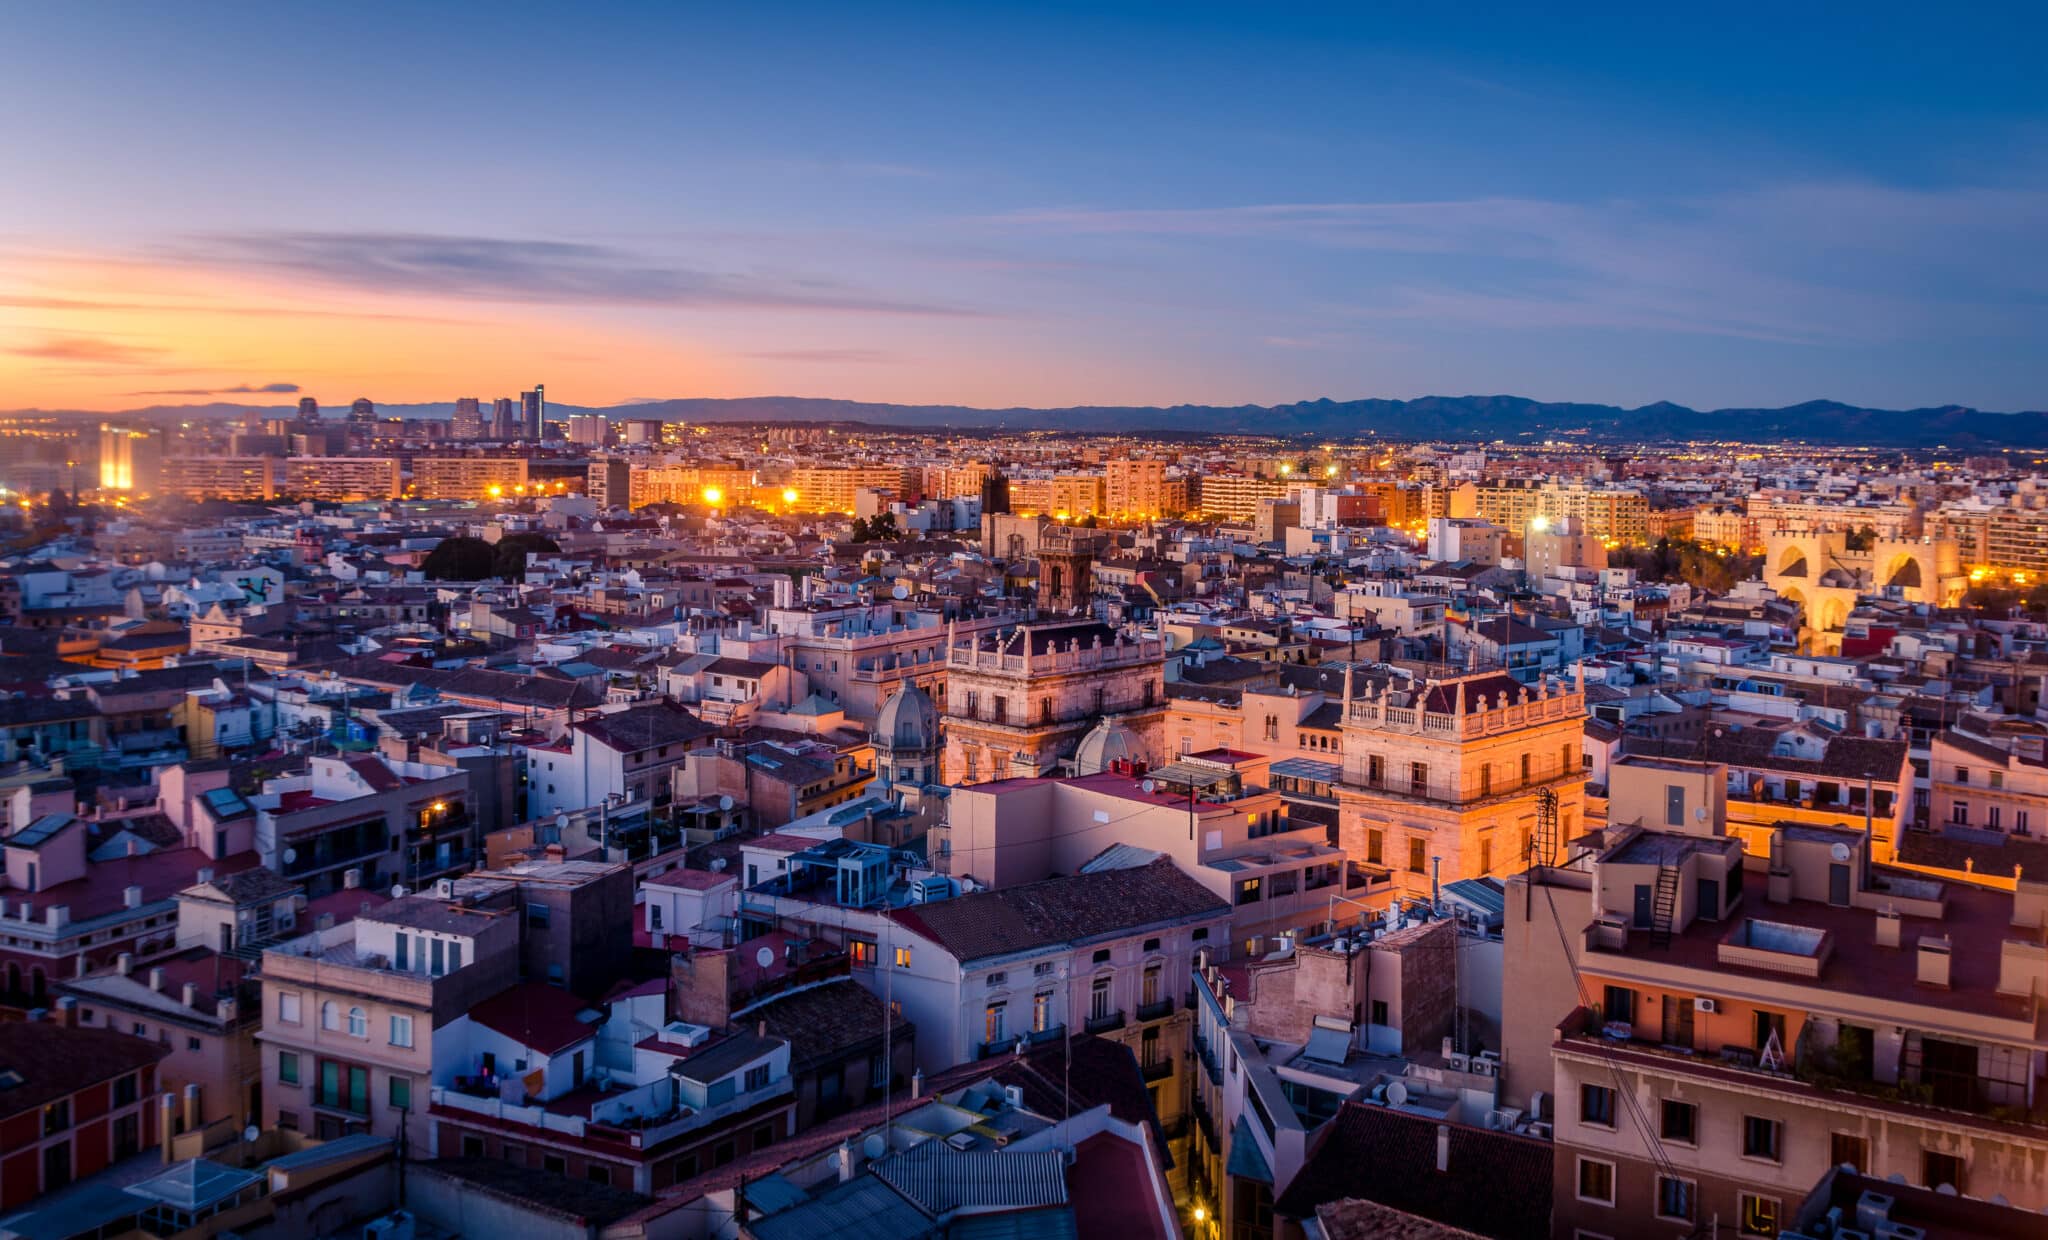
(1706, 1005)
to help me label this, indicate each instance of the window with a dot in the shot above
(2019, 822)
(1148, 988)
(1380, 1014)
(1618, 1003)
(863, 952)
(402, 957)
(1596, 1181)
(538, 916)
(1041, 1011)
(1674, 1198)
(1042, 969)
(1962, 774)
(56, 1117)
(191, 1044)
(1098, 999)
(330, 1016)
(358, 1023)
(878, 1072)
(992, 1022)
(1756, 1216)
(1760, 1137)
(757, 1078)
(1959, 814)
(344, 1087)
(1681, 1122)
(1375, 770)
(902, 957)
(401, 1031)
(1939, 1169)
(1418, 778)
(1486, 855)
(598, 1173)
(1991, 814)
(1248, 891)
(552, 1163)
(1486, 779)
(1375, 847)
(1848, 1150)
(1525, 768)
(1596, 1105)
(400, 1092)
(288, 1007)
(287, 1068)
(1418, 859)
(1102, 956)
(128, 1088)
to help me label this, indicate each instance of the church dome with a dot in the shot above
(908, 720)
(1107, 742)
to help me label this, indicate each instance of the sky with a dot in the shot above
(1002, 205)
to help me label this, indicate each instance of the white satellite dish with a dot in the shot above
(290, 855)
(1150, 785)
(251, 1133)
(1700, 814)
(398, 892)
(724, 802)
(874, 1147)
(765, 957)
(900, 592)
(1839, 852)
(1397, 1094)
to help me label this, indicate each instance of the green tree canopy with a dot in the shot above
(459, 559)
(510, 561)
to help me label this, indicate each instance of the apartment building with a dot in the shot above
(1462, 777)
(384, 820)
(1061, 496)
(1018, 700)
(836, 488)
(1236, 497)
(1989, 773)
(342, 478)
(1714, 1029)
(1136, 489)
(1213, 814)
(623, 756)
(222, 477)
(468, 477)
(1611, 514)
(75, 1101)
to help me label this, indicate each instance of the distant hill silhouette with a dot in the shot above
(1511, 418)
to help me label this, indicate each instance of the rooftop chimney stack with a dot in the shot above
(1933, 961)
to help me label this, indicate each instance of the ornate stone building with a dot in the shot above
(1018, 700)
(1446, 779)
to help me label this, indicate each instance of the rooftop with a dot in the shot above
(1070, 909)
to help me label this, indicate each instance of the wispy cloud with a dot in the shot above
(533, 272)
(94, 350)
(23, 301)
(1821, 263)
(870, 356)
(240, 389)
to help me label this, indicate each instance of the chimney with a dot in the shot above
(324, 921)
(191, 1106)
(1887, 927)
(917, 1083)
(190, 995)
(1443, 1147)
(131, 897)
(1933, 961)
(761, 1029)
(84, 965)
(844, 1158)
(156, 980)
(67, 1010)
(166, 1127)
(59, 916)
(124, 964)
(225, 1009)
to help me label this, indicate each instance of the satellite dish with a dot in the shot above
(398, 892)
(1699, 813)
(1397, 1094)
(874, 1147)
(1150, 785)
(290, 855)
(251, 1133)
(765, 957)
(724, 802)
(1839, 852)
(900, 592)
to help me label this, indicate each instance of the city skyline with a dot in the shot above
(998, 209)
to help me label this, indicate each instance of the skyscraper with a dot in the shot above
(309, 409)
(362, 410)
(534, 405)
(504, 421)
(469, 419)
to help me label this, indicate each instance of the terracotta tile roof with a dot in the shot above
(538, 1016)
(1069, 909)
(55, 1061)
(1495, 1183)
(645, 727)
(825, 1022)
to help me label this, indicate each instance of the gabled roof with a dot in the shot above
(54, 1061)
(543, 1018)
(1494, 1183)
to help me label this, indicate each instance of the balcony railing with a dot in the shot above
(1157, 1010)
(1157, 1070)
(1106, 1022)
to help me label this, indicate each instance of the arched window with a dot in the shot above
(358, 1023)
(330, 1015)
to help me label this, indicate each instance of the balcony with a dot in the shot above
(1106, 1022)
(1157, 1070)
(1159, 1010)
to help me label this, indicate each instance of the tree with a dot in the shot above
(510, 560)
(460, 559)
(879, 528)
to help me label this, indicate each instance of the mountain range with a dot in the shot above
(1463, 418)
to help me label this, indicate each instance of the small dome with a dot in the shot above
(1107, 742)
(908, 720)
